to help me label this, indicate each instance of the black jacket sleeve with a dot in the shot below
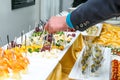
(93, 12)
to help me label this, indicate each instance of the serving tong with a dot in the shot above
(42, 23)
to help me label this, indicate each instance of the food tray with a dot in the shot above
(97, 33)
(105, 68)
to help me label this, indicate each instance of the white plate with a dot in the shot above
(115, 21)
(105, 71)
(99, 26)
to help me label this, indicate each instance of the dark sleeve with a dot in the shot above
(93, 12)
(77, 2)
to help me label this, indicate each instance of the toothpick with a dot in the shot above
(42, 33)
(21, 37)
(25, 44)
(25, 41)
(2, 53)
(8, 39)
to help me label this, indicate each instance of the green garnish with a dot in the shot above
(60, 40)
(37, 49)
(30, 50)
(60, 33)
(57, 44)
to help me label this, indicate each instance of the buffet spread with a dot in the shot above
(34, 55)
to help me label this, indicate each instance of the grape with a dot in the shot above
(37, 29)
(73, 35)
(49, 38)
(68, 35)
(46, 47)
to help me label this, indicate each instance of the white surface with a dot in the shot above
(99, 25)
(105, 70)
(39, 68)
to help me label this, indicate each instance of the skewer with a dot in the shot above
(41, 22)
(43, 41)
(52, 43)
(2, 53)
(22, 37)
(47, 37)
(15, 41)
(25, 44)
(29, 28)
(8, 39)
(8, 46)
(42, 35)
(13, 55)
(42, 32)
(25, 41)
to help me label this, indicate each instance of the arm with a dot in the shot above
(92, 12)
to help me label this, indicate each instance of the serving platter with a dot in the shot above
(40, 67)
(104, 73)
(93, 33)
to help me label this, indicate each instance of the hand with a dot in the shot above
(56, 23)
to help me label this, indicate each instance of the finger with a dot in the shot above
(46, 26)
(52, 32)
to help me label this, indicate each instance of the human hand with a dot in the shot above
(56, 23)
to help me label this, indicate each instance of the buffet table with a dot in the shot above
(50, 68)
(63, 66)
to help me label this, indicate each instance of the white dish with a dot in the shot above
(115, 21)
(104, 73)
(99, 26)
